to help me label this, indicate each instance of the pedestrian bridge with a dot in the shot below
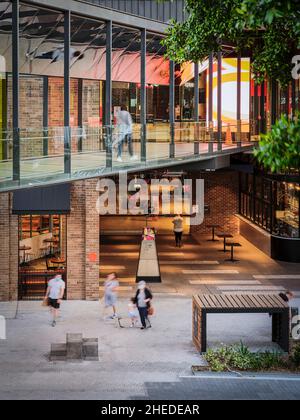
(38, 157)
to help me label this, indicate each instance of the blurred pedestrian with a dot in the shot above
(110, 293)
(125, 129)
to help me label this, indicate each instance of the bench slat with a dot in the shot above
(242, 301)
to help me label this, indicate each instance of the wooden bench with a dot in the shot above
(203, 305)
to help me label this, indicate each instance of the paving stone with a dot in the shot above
(74, 346)
(90, 349)
(58, 352)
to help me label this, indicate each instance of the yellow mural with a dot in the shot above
(229, 88)
(229, 91)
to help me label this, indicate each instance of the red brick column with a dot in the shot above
(75, 244)
(222, 196)
(92, 241)
(9, 250)
(83, 241)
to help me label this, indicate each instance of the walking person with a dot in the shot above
(133, 312)
(110, 294)
(178, 230)
(143, 301)
(54, 295)
(125, 129)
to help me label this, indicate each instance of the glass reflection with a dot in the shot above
(126, 72)
(272, 205)
(287, 210)
(126, 90)
(158, 90)
(41, 41)
(88, 42)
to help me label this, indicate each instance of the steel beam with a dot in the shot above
(239, 100)
(45, 115)
(108, 95)
(220, 58)
(67, 130)
(97, 12)
(143, 96)
(211, 102)
(15, 90)
(172, 109)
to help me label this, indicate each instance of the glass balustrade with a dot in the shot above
(96, 151)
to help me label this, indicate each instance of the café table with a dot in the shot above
(233, 245)
(213, 227)
(224, 236)
(60, 262)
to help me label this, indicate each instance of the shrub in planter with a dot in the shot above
(240, 358)
(296, 356)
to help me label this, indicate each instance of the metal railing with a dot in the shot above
(33, 156)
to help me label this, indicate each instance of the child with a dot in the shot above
(133, 313)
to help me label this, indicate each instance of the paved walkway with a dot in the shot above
(128, 357)
(152, 364)
(199, 267)
(226, 389)
(133, 364)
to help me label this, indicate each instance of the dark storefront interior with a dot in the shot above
(42, 237)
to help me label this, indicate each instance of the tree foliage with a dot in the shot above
(269, 28)
(279, 150)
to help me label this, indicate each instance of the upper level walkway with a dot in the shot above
(54, 155)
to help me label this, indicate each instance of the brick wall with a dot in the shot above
(92, 241)
(82, 245)
(56, 114)
(8, 250)
(31, 115)
(83, 241)
(221, 195)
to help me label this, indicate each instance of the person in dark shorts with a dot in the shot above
(54, 295)
(178, 230)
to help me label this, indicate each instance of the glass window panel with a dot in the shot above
(185, 91)
(41, 41)
(5, 69)
(126, 72)
(92, 103)
(31, 116)
(202, 96)
(88, 46)
(126, 90)
(287, 210)
(42, 91)
(158, 90)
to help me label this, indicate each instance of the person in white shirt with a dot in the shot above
(54, 295)
(125, 129)
(178, 230)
